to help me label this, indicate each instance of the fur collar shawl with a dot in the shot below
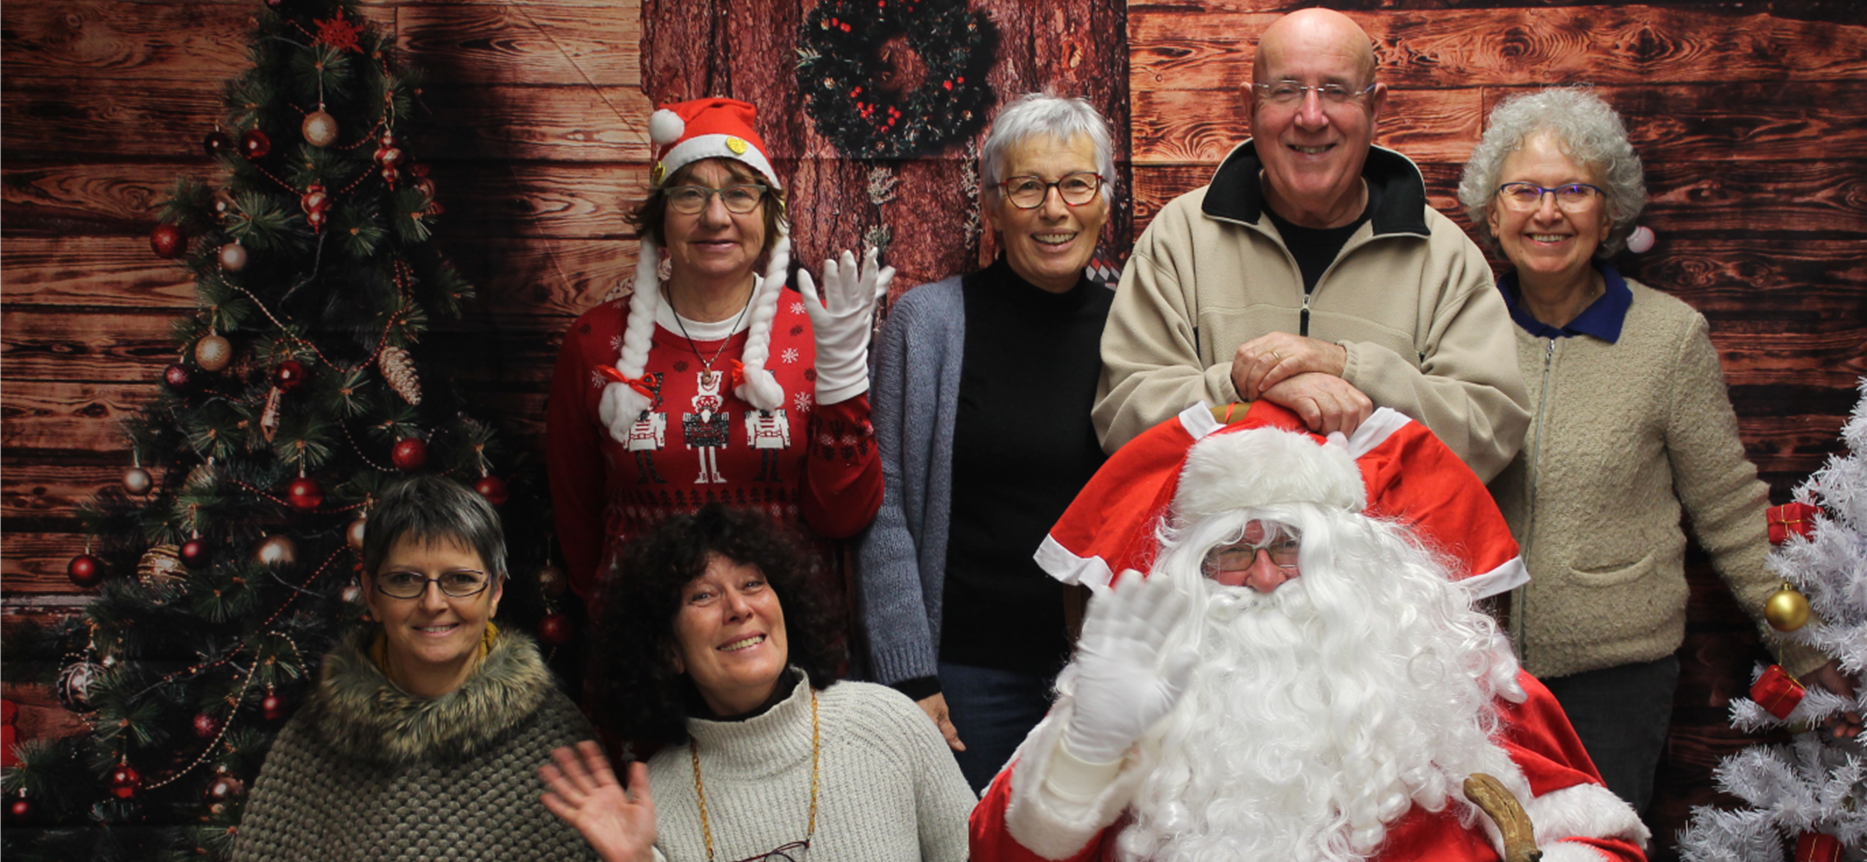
(362, 715)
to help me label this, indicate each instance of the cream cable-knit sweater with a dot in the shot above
(1621, 435)
(888, 787)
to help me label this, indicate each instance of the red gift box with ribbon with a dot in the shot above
(1777, 692)
(1797, 518)
(1817, 847)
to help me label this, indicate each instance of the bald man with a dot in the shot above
(1310, 272)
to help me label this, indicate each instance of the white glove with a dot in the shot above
(1123, 683)
(840, 321)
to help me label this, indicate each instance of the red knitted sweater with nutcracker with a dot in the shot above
(804, 464)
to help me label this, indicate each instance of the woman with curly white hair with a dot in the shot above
(1630, 424)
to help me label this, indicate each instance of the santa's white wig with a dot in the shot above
(1325, 710)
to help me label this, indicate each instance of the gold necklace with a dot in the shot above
(693, 751)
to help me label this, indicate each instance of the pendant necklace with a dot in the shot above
(706, 365)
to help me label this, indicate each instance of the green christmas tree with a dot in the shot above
(227, 564)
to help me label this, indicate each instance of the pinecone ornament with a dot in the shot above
(399, 369)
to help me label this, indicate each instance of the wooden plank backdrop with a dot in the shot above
(1747, 114)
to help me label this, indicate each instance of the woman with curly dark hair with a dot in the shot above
(715, 653)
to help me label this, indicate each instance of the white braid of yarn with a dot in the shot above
(622, 405)
(760, 388)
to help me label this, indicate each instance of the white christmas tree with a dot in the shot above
(1809, 796)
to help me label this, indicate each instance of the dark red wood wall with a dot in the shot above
(1752, 119)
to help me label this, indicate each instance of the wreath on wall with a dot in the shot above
(893, 79)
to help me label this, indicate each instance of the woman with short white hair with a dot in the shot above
(983, 385)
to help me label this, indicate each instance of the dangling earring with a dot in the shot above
(664, 270)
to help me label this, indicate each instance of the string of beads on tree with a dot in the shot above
(895, 79)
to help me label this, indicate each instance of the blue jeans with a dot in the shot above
(1621, 714)
(993, 710)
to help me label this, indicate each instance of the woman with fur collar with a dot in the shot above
(716, 652)
(422, 737)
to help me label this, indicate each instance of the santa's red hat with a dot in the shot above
(1198, 464)
(683, 133)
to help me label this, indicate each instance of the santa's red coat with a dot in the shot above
(1535, 734)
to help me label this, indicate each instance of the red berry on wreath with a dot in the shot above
(492, 488)
(304, 493)
(272, 706)
(175, 377)
(205, 726)
(254, 144)
(194, 553)
(289, 375)
(85, 571)
(409, 453)
(554, 630)
(168, 241)
(216, 143)
(125, 781)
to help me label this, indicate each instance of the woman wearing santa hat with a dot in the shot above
(710, 381)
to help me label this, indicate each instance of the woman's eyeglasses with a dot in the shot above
(1570, 197)
(739, 200)
(460, 584)
(1028, 192)
(792, 852)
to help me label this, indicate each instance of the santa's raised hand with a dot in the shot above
(1125, 682)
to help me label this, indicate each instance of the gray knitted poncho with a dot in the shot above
(366, 771)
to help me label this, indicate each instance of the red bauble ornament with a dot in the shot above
(205, 726)
(233, 257)
(137, 481)
(194, 553)
(125, 781)
(552, 581)
(388, 156)
(272, 706)
(492, 488)
(304, 493)
(409, 453)
(175, 377)
(85, 570)
(254, 144)
(554, 630)
(216, 143)
(19, 809)
(168, 241)
(289, 375)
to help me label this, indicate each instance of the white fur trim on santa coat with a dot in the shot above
(1050, 823)
(1584, 811)
(1262, 467)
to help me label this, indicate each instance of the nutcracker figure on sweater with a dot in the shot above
(1294, 679)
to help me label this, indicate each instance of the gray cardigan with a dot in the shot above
(913, 398)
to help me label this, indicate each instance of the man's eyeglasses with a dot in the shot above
(1289, 93)
(739, 200)
(459, 584)
(792, 852)
(1240, 556)
(1570, 197)
(1076, 189)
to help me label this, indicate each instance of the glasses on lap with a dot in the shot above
(792, 852)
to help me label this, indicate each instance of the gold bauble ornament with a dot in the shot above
(1786, 610)
(353, 534)
(276, 551)
(213, 352)
(320, 129)
(161, 566)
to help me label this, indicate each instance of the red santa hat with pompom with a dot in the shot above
(1204, 462)
(684, 133)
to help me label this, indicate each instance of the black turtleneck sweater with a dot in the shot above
(1023, 446)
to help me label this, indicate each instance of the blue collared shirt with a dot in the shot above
(1601, 319)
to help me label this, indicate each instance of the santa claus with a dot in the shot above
(1295, 680)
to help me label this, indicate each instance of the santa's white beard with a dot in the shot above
(1320, 713)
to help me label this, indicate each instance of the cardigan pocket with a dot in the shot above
(1615, 574)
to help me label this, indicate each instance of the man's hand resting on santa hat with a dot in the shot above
(1124, 683)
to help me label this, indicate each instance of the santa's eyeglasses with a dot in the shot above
(1282, 544)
